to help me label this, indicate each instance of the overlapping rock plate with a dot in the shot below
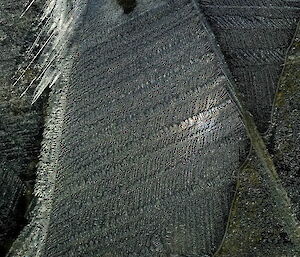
(254, 37)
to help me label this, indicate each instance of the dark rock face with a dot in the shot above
(12, 190)
(254, 37)
(20, 123)
(285, 135)
(151, 140)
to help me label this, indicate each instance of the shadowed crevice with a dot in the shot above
(127, 5)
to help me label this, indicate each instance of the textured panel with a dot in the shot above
(151, 140)
(285, 134)
(20, 123)
(254, 37)
(11, 190)
(262, 3)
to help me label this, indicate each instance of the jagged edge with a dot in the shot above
(62, 18)
(59, 18)
(31, 240)
(59, 29)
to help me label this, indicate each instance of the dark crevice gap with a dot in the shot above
(21, 215)
(127, 5)
(21, 117)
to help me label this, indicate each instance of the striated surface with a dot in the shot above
(11, 191)
(150, 142)
(142, 141)
(20, 123)
(255, 226)
(254, 36)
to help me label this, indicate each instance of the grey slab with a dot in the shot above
(150, 141)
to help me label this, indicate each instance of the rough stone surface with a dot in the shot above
(254, 37)
(20, 123)
(255, 229)
(285, 132)
(126, 195)
(146, 114)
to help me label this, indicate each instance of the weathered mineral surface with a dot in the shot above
(150, 140)
(285, 133)
(254, 37)
(143, 143)
(20, 123)
(255, 227)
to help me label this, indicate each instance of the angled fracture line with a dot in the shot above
(55, 79)
(41, 90)
(38, 77)
(49, 7)
(28, 52)
(25, 91)
(42, 15)
(34, 58)
(38, 37)
(27, 8)
(59, 43)
(47, 65)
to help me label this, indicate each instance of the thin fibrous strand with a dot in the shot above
(27, 8)
(49, 9)
(63, 30)
(41, 90)
(36, 41)
(47, 14)
(25, 91)
(38, 77)
(28, 66)
(42, 16)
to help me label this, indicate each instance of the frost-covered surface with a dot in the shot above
(48, 49)
(60, 19)
(254, 37)
(31, 240)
